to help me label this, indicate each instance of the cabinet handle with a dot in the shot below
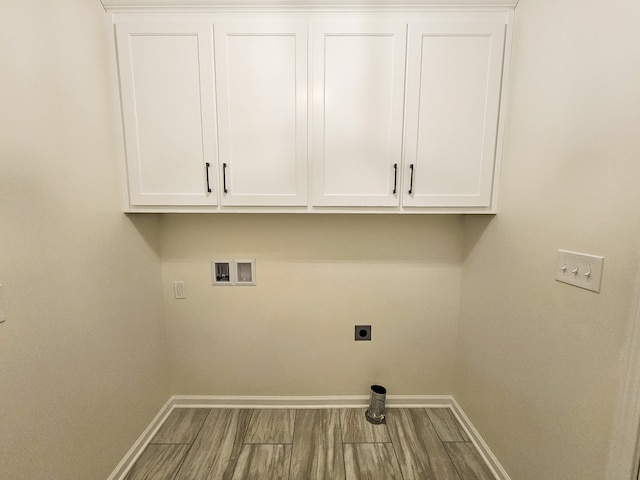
(224, 177)
(395, 178)
(411, 180)
(208, 184)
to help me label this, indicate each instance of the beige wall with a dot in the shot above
(83, 351)
(539, 362)
(318, 276)
(83, 360)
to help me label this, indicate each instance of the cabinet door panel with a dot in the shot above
(452, 112)
(358, 89)
(166, 79)
(262, 97)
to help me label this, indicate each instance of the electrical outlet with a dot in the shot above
(580, 270)
(178, 290)
(363, 333)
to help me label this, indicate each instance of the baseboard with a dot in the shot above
(355, 401)
(138, 447)
(299, 402)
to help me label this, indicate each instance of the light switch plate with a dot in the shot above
(178, 290)
(580, 270)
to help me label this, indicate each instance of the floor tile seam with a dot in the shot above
(254, 413)
(184, 458)
(293, 439)
(193, 443)
(434, 427)
(363, 433)
(463, 434)
(476, 450)
(446, 450)
(458, 426)
(186, 454)
(439, 438)
(342, 433)
(170, 443)
(344, 456)
(366, 443)
(395, 451)
(267, 443)
(454, 463)
(249, 423)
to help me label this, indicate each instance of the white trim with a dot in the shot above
(487, 455)
(138, 447)
(418, 401)
(316, 210)
(624, 447)
(230, 401)
(304, 4)
(300, 402)
(502, 112)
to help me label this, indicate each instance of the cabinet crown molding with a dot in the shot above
(115, 5)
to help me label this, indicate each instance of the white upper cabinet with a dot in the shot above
(358, 99)
(166, 80)
(345, 109)
(453, 99)
(261, 81)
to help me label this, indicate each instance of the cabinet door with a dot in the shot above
(453, 98)
(358, 90)
(262, 99)
(166, 81)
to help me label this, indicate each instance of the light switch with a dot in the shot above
(178, 290)
(580, 270)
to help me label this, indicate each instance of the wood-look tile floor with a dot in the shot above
(331, 444)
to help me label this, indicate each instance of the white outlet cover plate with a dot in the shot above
(580, 270)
